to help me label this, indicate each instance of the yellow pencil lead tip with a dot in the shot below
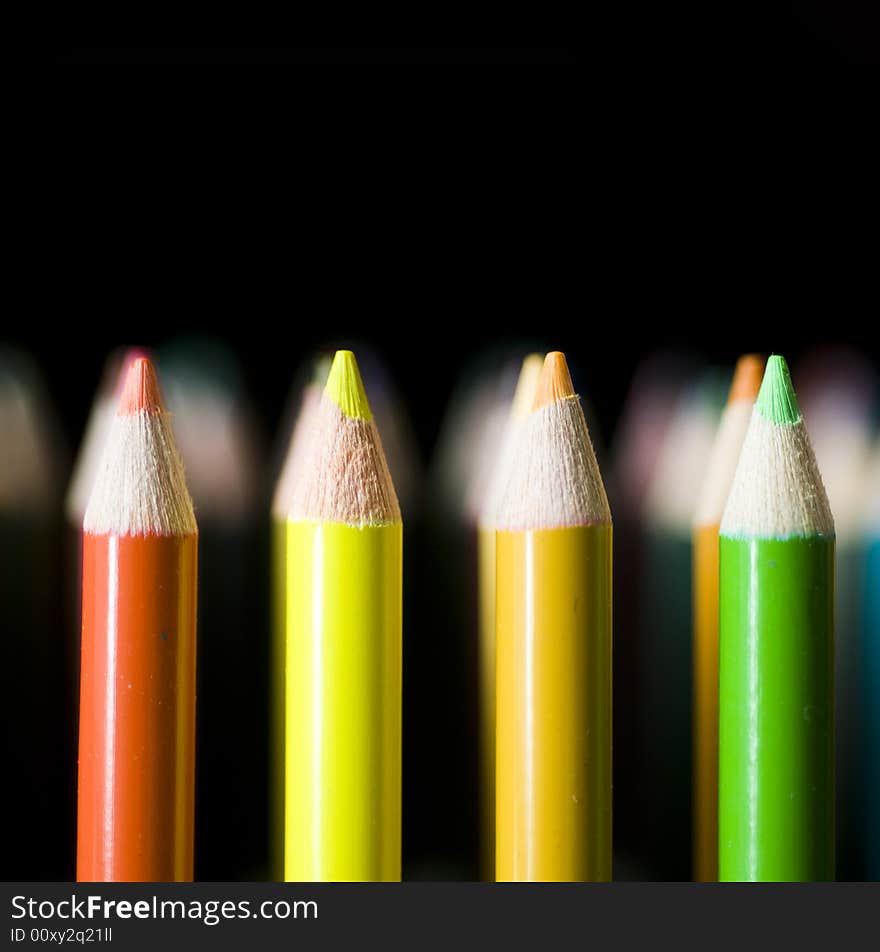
(345, 387)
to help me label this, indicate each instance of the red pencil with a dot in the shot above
(137, 684)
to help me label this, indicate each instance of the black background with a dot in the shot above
(433, 218)
(323, 55)
(841, 31)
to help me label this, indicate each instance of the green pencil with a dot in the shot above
(776, 678)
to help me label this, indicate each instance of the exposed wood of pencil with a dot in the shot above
(137, 696)
(343, 615)
(91, 448)
(553, 628)
(710, 506)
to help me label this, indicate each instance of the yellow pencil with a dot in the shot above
(520, 407)
(710, 507)
(343, 712)
(553, 628)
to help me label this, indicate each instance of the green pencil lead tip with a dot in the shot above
(776, 399)
(345, 387)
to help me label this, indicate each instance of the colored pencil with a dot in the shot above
(137, 698)
(553, 629)
(343, 726)
(710, 507)
(296, 449)
(520, 408)
(665, 651)
(79, 488)
(871, 667)
(776, 652)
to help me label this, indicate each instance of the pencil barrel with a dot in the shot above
(705, 710)
(277, 699)
(871, 685)
(776, 732)
(487, 573)
(553, 781)
(137, 709)
(343, 714)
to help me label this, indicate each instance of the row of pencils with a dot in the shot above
(723, 718)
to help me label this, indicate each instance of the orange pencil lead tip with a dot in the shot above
(554, 384)
(141, 389)
(747, 378)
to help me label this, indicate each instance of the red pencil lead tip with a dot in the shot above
(121, 363)
(141, 389)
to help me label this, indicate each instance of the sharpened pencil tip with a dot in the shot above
(776, 399)
(141, 389)
(746, 379)
(345, 387)
(122, 365)
(554, 384)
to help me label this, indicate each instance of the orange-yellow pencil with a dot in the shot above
(553, 628)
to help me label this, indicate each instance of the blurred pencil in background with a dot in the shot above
(138, 673)
(653, 396)
(222, 449)
(441, 748)
(36, 840)
(520, 408)
(870, 656)
(664, 645)
(713, 493)
(553, 628)
(343, 680)
(776, 661)
(837, 390)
